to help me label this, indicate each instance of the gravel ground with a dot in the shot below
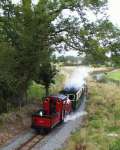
(18, 140)
(59, 135)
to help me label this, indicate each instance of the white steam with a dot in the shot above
(77, 78)
(74, 116)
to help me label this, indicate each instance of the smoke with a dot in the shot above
(77, 78)
(74, 116)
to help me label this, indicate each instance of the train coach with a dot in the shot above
(54, 110)
(75, 94)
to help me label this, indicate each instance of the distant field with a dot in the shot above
(114, 75)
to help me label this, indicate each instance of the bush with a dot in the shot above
(115, 145)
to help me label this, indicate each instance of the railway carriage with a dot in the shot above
(75, 94)
(54, 110)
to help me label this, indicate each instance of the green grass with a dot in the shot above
(37, 91)
(115, 145)
(59, 83)
(103, 120)
(114, 75)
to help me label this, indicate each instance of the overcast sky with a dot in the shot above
(114, 10)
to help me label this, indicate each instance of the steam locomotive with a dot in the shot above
(56, 107)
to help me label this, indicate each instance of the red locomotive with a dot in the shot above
(53, 112)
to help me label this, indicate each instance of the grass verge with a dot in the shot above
(115, 75)
(101, 129)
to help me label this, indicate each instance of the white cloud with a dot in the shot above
(67, 53)
(114, 11)
(18, 1)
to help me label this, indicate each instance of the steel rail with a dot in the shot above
(28, 145)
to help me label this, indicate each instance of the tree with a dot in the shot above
(114, 47)
(47, 72)
(19, 35)
(30, 31)
(19, 31)
(87, 36)
(6, 78)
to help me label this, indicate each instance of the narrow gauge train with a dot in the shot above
(56, 107)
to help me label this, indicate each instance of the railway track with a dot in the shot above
(29, 145)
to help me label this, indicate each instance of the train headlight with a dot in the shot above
(41, 113)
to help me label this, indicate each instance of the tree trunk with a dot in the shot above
(47, 90)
